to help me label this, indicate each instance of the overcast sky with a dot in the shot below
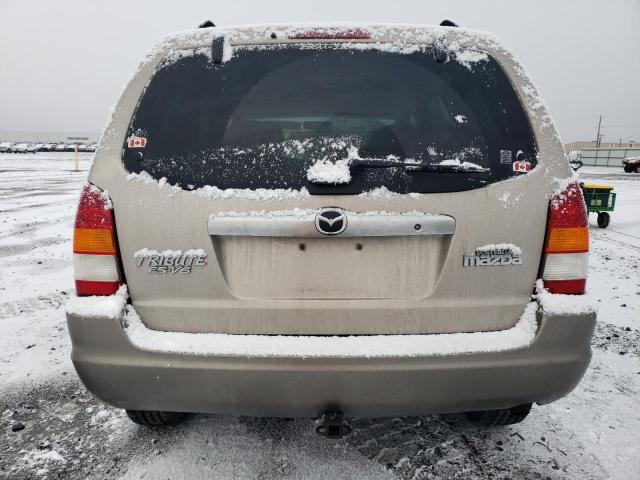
(64, 63)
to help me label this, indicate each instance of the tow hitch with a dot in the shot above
(332, 425)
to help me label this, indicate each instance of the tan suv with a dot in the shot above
(326, 221)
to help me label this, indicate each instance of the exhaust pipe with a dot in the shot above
(331, 424)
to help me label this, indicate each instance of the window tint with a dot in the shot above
(263, 118)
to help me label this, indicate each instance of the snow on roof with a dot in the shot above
(402, 33)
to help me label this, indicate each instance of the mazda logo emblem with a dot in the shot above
(331, 221)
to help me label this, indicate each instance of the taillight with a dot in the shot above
(95, 257)
(566, 248)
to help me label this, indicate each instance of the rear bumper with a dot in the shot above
(126, 376)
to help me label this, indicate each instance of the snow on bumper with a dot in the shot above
(540, 359)
(286, 346)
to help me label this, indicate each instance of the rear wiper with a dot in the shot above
(362, 163)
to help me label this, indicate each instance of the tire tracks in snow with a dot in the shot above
(447, 446)
(51, 301)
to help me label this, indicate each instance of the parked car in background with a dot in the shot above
(5, 147)
(19, 148)
(61, 147)
(41, 147)
(92, 147)
(71, 147)
(31, 148)
(631, 164)
(82, 147)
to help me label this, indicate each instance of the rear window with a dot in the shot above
(269, 115)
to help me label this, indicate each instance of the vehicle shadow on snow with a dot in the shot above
(60, 430)
(70, 434)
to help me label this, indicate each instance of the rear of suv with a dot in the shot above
(367, 220)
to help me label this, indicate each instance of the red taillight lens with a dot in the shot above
(567, 208)
(95, 261)
(567, 243)
(330, 34)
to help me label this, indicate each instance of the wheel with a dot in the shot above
(637, 169)
(628, 168)
(154, 418)
(494, 418)
(603, 219)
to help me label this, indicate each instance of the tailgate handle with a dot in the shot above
(303, 224)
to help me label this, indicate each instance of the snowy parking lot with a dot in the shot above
(51, 427)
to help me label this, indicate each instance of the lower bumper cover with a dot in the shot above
(125, 376)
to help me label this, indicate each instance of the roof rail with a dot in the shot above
(207, 24)
(448, 23)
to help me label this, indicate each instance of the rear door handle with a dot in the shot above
(302, 223)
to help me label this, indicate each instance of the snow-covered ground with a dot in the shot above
(591, 434)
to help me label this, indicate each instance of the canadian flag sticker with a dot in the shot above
(137, 142)
(521, 166)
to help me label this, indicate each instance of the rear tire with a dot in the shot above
(628, 168)
(494, 418)
(603, 219)
(152, 418)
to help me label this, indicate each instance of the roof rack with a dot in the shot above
(207, 24)
(448, 23)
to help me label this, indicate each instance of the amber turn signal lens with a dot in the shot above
(568, 240)
(93, 240)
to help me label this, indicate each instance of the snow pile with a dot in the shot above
(110, 306)
(469, 57)
(557, 304)
(461, 118)
(492, 247)
(145, 252)
(212, 192)
(326, 171)
(383, 193)
(454, 162)
(334, 173)
(209, 191)
(369, 346)
(41, 460)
